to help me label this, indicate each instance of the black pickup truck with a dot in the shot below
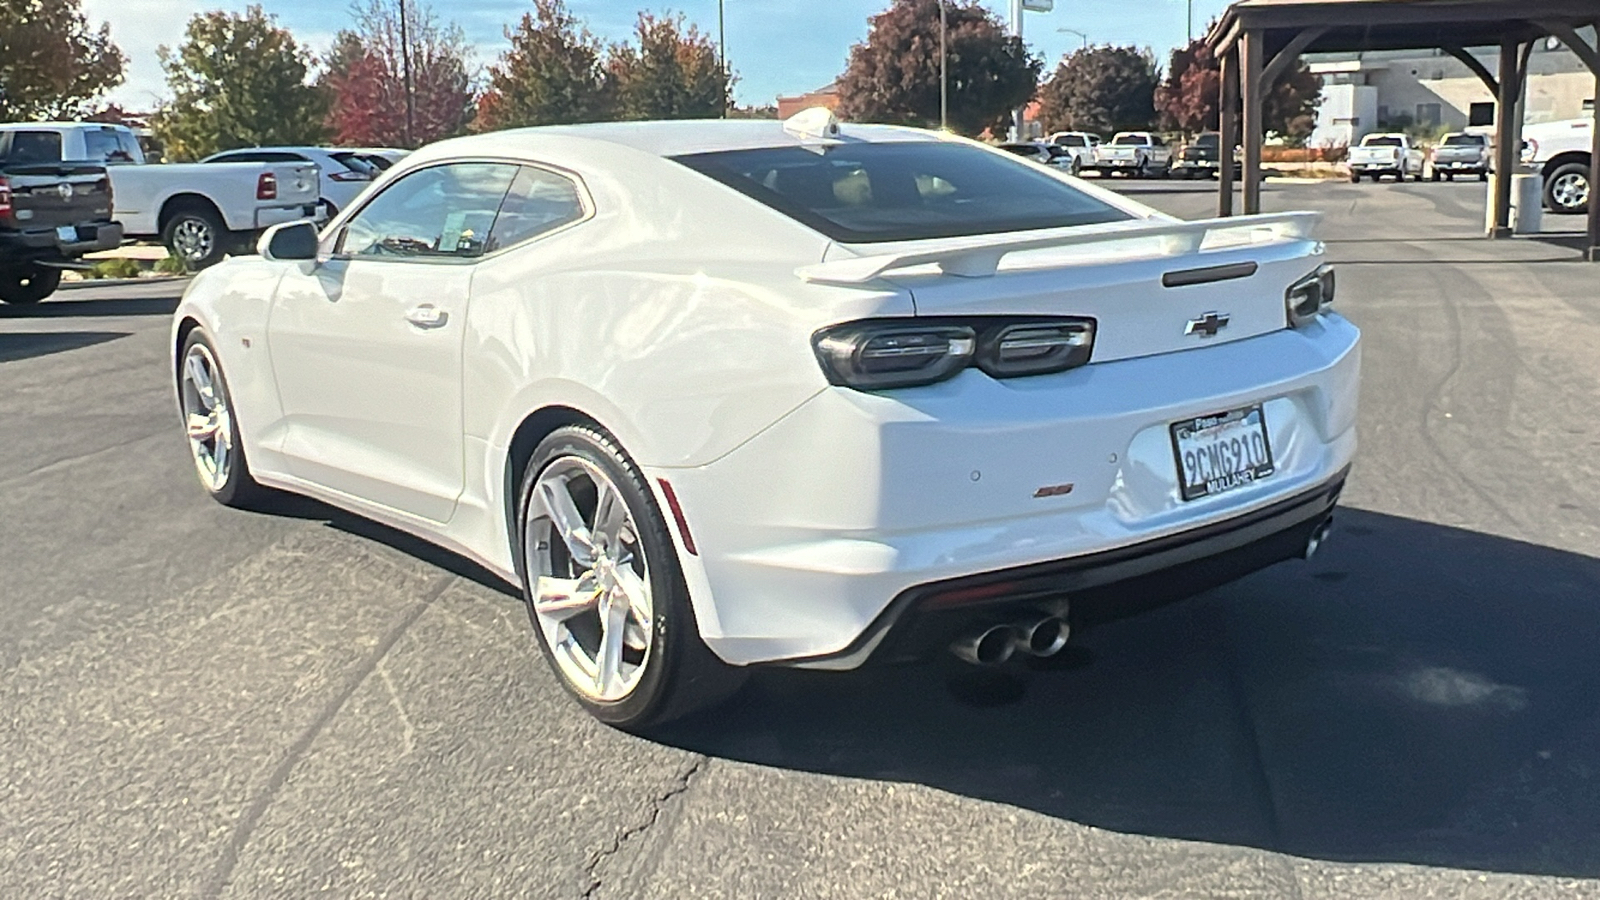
(51, 214)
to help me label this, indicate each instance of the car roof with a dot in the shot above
(678, 138)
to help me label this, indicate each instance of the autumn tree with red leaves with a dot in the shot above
(1190, 95)
(366, 85)
(894, 76)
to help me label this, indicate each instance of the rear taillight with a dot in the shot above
(877, 354)
(267, 186)
(1310, 297)
(5, 199)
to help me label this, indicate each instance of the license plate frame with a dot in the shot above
(1209, 437)
(67, 234)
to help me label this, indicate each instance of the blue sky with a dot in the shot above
(774, 46)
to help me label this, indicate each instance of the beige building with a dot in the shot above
(1363, 93)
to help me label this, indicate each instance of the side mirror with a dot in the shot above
(290, 241)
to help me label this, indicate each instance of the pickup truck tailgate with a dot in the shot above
(48, 195)
(297, 184)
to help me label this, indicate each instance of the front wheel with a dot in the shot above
(29, 284)
(211, 426)
(1567, 191)
(604, 589)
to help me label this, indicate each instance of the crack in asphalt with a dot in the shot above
(680, 785)
(251, 817)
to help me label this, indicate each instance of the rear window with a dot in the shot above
(1464, 140)
(1211, 141)
(1130, 140)
(903, 191)
(1381, 142)
(28, 147)
(1071, 140)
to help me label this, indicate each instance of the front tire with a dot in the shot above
(604, 590)
(211, 426)
(29, 284)
(1567, 190)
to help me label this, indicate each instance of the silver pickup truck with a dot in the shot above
(1462, 154)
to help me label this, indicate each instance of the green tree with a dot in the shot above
(894, 75)
(238, 80)
(51, 63)
(1101, 90)
(552, 74)
(673, 73)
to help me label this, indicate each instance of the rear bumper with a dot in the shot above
(47, 245)
(810, 530)
(267, 217)
(1098, 587)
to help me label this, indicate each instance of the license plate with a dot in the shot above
(1221, 452)
(67, 234)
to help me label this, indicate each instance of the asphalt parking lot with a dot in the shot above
(201, 702)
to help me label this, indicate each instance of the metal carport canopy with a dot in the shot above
(1257, 40)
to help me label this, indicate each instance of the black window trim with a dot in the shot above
(331, 241)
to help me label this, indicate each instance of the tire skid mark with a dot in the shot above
(251, 817)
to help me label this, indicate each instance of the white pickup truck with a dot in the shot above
(1561, 151)
(1137, 153)
(200, 211)
(1462, 153)
(1386, 154)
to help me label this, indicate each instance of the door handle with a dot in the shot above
(427, 316)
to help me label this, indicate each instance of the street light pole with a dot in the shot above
(1016, 32)
(722, 54)
(1190, 26)
(944, 84)
(405, 67)
(1078, 33)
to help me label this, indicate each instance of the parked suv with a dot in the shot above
(51, 213)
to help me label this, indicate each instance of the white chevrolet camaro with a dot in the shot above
(721, 394)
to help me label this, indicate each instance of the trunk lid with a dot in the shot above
(1151, 287)
(298, 183)
(1382, 154)
(50, 195)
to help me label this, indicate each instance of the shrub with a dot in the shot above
(171, 265)
(113, 268)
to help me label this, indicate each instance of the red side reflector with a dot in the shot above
(964, 596)
(677, 516)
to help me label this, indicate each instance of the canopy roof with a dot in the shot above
(1357, 25)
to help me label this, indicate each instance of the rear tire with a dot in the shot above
(28, 285)
(659, 669)
(197, 236)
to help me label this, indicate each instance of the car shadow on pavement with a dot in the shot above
(62, 308)
(1416, 693)
(28, 345)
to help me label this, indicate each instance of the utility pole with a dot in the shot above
(1189, 28)
(944, 82)
(1016, 32)
(405, 68)
(722, 55)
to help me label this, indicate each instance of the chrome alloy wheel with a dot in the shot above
(193, 239)
(590, 579)
(206, 417)
(1571, 190)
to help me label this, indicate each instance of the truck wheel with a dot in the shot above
(21, 287)
(1567, 191)
(1355, 177)
(1483, 176)
(197, 236)
(1437, 175)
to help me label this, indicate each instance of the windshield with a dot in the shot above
(903, 191)
(1463, 140)
(1133, 140)
(1208, 141)
(1381, 142)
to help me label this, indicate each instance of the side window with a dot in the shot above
(539, 201)
(129, 146)
(100, 145)
(439, 212)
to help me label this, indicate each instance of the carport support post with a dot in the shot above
(1227, 132)
(1250, 53)
(1507, 153)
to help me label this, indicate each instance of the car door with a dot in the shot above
(366, 344)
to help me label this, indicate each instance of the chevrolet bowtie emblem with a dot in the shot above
(1207, 325)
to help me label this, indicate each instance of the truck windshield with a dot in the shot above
(903, 190)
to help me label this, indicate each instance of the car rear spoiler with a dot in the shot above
(980, 257)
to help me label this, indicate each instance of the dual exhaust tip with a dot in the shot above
(991, 646)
